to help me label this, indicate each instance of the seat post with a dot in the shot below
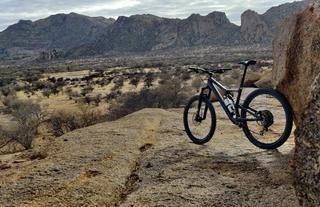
(244, 76)
(241, 85)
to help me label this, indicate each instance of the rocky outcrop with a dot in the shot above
(145, 159)
(213, 29)
(297, 59)
(307, 156)
(48, 55)
(275, 16)
(296, 74)
(254, 29)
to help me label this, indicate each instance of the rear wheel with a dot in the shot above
(199, 127)
(275, 124)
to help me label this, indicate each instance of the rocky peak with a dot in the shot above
(219, 17)
(56, 31)
(256, 28)
(276, 15)
(144, 20)
(253, 28)
(22, 25)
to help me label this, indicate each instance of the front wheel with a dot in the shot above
(275, 118)
(199, 120)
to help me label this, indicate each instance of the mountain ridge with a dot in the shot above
(75, 35)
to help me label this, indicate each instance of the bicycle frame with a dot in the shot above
(213, 86)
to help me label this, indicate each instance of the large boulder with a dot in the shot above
(296, 74)
(307, 153)
(296, 53)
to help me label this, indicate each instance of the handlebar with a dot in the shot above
(209, 71)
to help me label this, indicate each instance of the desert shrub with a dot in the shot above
(118, 83)
(75, 80)
(55, 90)
(166, 96)
(11, 102)
(99, 71)
(52, 79)
(6, 81)
(68, 90)
(40, 85)
(18, 87)
(164, 77)
(27, 116)
(89, 116)
(46, 92)
(87, 89)
(60, 79)
(135, 81)
(7, 90)
(185, 76)
(62, 122)
(149, 80)
(74, 94)
(92, 99)
(59, 83)
(113, 95)
(29, 77)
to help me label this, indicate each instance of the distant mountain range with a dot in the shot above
(74, 35)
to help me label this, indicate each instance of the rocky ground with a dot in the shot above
(146, 159)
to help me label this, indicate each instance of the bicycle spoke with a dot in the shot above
(273, 114)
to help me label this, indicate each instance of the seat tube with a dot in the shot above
(241, 85)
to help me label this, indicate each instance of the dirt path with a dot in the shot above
(145, 159)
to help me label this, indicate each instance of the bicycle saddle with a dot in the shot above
(248, 62)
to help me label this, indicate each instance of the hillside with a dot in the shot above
(74, 35)
(145, 159)
(261, 28)
(54, 32)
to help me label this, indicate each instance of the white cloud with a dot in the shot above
(116, 5)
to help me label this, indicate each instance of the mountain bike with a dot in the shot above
(265, 115)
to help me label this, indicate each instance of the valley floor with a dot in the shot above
(146, 159)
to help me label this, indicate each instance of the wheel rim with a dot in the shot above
(272, 125)
(200, 130)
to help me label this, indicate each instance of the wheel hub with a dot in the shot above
(267, 118)
(196, 120)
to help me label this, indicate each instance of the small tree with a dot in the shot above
(28, 117)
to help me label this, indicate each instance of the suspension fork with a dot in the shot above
(202, 95)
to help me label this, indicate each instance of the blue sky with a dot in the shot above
(14, 10)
